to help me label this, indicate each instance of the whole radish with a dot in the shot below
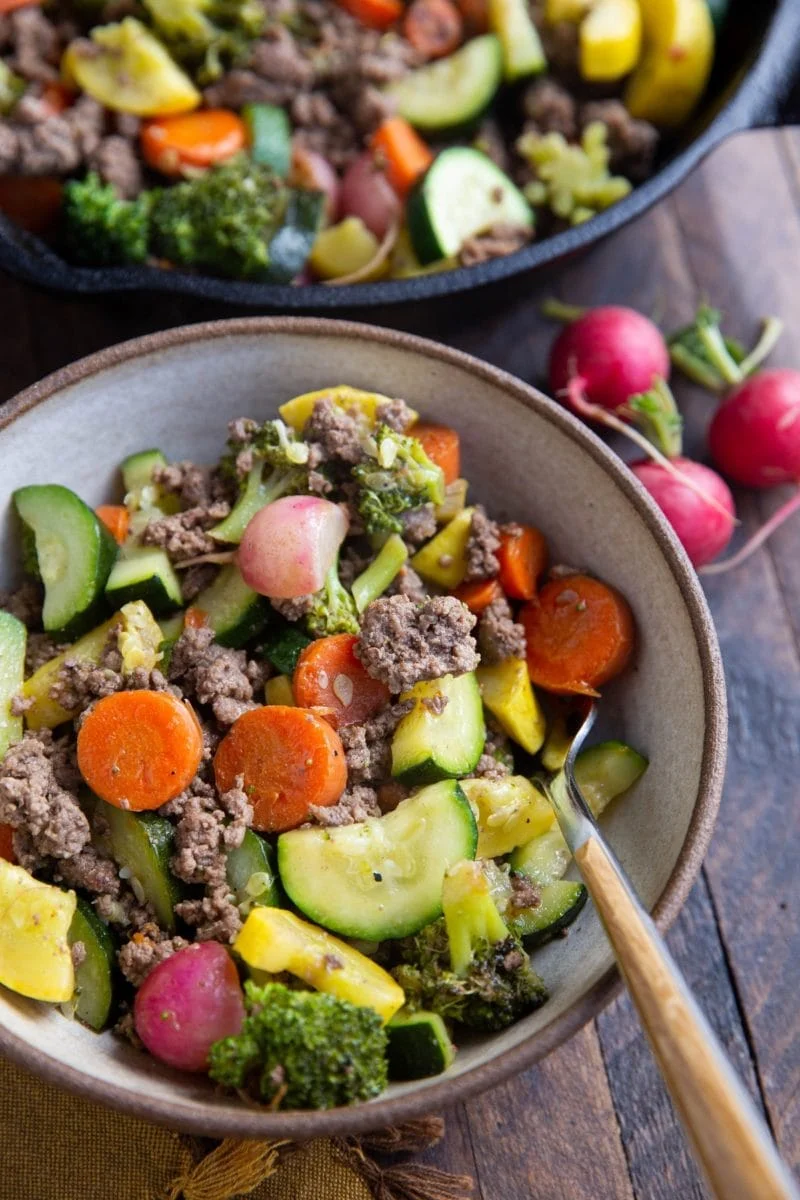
(701, 524)
(754, 437)
(290, 545)
(367, 193)
(188, 1002)
(607, 356)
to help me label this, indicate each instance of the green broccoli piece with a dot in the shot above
(99, 228)
(11, 88)
(221, 221)
(302, 1050)
(207, 36)
(468, 966)
(397, 476)
(272, 463)
(333, 608)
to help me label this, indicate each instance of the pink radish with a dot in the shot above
(289, 546)
(684, 496)
(755, 435)
(367, 193)
(606, 356)
(188, 1002)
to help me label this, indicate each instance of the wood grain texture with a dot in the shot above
(730, 235)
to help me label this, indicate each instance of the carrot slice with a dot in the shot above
(137, 750)
(194, 140)
(404, 152)
(194, 618)
(33, 202)
(442, 446)
(378, 14)
(523, 558)
(116, 519)
(7, 6)
(329, 676)
(7, 843)
(290, 758)
(433, 27)
(579, 632)
(56, 98)
(479, 595)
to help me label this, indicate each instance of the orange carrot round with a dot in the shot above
(32, 201)
(523, 558)
(290, 758)
(433, 27)
(7, 843)
(328, 675)
(442, 446)
(194, 140)
(137, 750)
(116, 519)
(7, 6)
(579, 632)
(378, 14)
(479, 595)
(403, 151)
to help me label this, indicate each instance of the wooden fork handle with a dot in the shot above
(730, 1138)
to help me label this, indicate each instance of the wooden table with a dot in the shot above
(593, 1121)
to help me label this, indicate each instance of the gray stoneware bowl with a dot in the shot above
(527, 459)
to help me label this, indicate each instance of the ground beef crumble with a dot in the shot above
(419, 525)
(524, 893)
(184, 535)
(24, 603)
(196, 486)
(35, 801)
(214, 675)
(396, 414)
(497, 242)
(138, 956)
(408, 583)
(355, 804)
(482, 546)
(368, 747)
(334, 434)
(499, 635)
(402, 643)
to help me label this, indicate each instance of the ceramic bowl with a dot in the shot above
(526, 458)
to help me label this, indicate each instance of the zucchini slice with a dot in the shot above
(270, 136)
(74, 554)
(432, 743)
(137, 474)
(282, 645)
(462, 194)
(450, 94)
(144, 844)
(607, 770)
(418, 1046)
(559, 904)
(380, 878)
(544, 859)
(235, 612)
(251, 873)
(13, 639)
(523, 54)
(144, 573)
(94, 978)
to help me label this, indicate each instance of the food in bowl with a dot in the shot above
(277, 719)
(338, 140)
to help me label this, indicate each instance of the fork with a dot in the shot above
(730, 1138)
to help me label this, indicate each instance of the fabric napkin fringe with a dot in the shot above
(236, 1168)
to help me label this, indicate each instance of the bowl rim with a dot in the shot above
(257, 1123)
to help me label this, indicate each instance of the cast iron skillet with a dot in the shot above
(758, 63)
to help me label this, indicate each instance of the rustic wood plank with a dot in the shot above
(753, 859)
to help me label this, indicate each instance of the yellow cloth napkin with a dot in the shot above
(55, 1146)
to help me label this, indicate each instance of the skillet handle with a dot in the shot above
(730, 1138)
(776, 98)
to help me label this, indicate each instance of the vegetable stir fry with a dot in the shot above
(276, 737)
(341, 141)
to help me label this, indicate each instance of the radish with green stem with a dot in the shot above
(704, 354)
(697, 503)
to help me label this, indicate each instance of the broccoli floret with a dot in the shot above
(334, 609)
(302, 1050)
(573, 181)
(273, 443)
(99, 228)
(468, 966)
(221, 221)
(272, 463)
(397, 476)
(207, 36)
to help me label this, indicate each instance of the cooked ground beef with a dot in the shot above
(215, 675)
(34, 799)
(335, 434)
(499, 636)
(116, 162)
(40, 648)
(489, 138)
(50, 145)
(396, 414)
(35, 43)
(183, 535)
(632, 143)
(368, 747)
(90, 870)
(490, 767)
(497, 760)
(482, 546)
(408, 583)
(293, 609)
(24, 603)
(356, 804)
(196, 486)
(550, 108)
(127, 911)
(402, 643)
(497, 242)
(196, 579)
(419, 525)
(524, 894)
(138, 956)
(78, 952)
(215, 918)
